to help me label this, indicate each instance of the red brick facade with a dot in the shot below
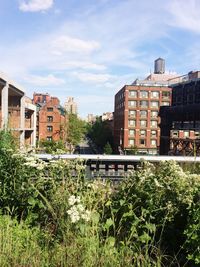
(136, 121)
(50, 117)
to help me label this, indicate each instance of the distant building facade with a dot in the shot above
(136, 121)
(71, 106)
(17, 112)
(50, 117)
(180, 123)
(91, 118)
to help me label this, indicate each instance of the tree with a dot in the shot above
(75, 129)
(52, 146)
(107, 149)
(100, 133)
(132, 151)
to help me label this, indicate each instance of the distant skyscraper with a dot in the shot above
(71, 106)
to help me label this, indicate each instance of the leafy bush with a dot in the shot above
(192, 232)
(52, 147)
(60, 218)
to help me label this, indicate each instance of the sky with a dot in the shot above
(90, 49)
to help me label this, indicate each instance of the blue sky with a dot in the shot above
(89, 49)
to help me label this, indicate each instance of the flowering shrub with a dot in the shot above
(81, 222)
(77, 211)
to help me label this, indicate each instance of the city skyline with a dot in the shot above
(91, 50)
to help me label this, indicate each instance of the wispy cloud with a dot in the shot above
(92, 77)
(98, 45)
(65, 43)
(35, 5)
(49, 80)
(185, 14)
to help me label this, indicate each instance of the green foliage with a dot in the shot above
(132, 151)
(107, 149)
(192, 232)
(151, 209)
(52, 147)
(7, 140)
(76, 129)
(149, 219)
(100, 133)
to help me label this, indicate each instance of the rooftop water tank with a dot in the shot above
(159, 66)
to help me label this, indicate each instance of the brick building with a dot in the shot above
(50, 117)
(17, 112)
(180, 123)
(136, 118)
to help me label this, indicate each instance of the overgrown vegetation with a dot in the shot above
(52, 146)
(50, 218)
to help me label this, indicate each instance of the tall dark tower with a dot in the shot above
(159, 66)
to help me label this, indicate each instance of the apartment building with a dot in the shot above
(180, 123)
(136, 121)
(50, 117)
(17, 113)
(71, 106)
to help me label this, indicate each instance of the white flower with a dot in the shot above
(86, 216)
(72, 200)
(80, 208)
(74, 214)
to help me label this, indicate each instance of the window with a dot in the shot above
(174, 133)
(143, 113)
(197, 134)
(144, 104)
(154, 104)
(133, 93)
(154, 114)
(153, 142)
(131, 123)
(131, 132)
(143, 94)
(186, 133)
(143, 133)
(153, 133)
(154, 124)
(143, 123)
(165, 103)
(132, 103)
(49, 138)
(131, 142)
(132, 113)
(49, 109)
(49, 118)
(165, 94)
(154, 94)
(142, 142)
(49, 128)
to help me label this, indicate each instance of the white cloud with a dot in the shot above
(92, 77)
(185, 14)
(49, 80)
(81, 65)
(35, 5)
(65, 43)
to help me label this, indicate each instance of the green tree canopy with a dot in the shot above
(107, 149)
(100, 133)
(76, 129)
